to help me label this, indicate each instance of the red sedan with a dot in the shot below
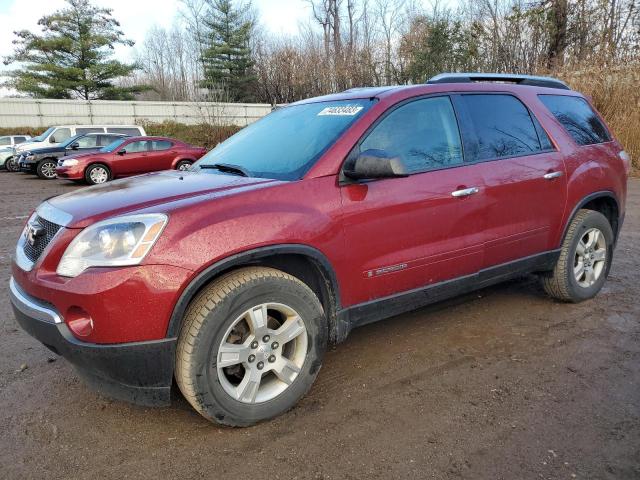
(129, 156)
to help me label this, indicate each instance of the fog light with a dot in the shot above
(79, 322)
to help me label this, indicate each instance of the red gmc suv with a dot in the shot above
(234, 276)
(129, 156)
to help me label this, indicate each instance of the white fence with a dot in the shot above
(27, 112)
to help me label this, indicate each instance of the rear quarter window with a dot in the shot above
(578, 118)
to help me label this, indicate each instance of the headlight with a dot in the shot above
(69, 163)
(29, 156)
(117, 242)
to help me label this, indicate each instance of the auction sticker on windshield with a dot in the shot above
(342, 110)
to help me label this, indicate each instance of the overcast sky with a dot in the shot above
(137, 16)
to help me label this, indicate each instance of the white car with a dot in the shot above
(54, 136)
(7, 144)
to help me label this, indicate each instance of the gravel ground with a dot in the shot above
(499, 384)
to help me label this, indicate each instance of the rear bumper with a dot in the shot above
(138, 372)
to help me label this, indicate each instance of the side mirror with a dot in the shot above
(122, 152)
(75, 146)
(52, 140)
(375, 164)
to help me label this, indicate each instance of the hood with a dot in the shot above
(45, 150)
(23, 147)
(92, 204)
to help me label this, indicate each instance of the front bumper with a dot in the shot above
(138, 372)
(28, 166)
(75, 172)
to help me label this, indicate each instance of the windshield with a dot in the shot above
(66, 143)
(43, 136)
(112, 146)
(285, 144)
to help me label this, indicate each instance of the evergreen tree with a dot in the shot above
(228, 67)
(71, 58)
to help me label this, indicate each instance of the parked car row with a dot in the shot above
(97, 154)
(7, 145)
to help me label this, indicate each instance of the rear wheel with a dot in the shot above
(184, 165)
(46, 169)
(96, 174)
(11, 164)
(584, 261)
(250, 347)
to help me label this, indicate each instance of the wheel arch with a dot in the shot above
(301, 261)
(604, 202)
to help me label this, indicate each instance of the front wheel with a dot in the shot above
(585, 259)
(46, 169)
(251, 346)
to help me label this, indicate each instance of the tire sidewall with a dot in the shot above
(222, 407)
(593, 220)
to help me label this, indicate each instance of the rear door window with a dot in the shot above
(105, 140)
(578, 118)
(503, 126)
(5, 140)
(125, 131)
(160, 145)
(424, 133)
(20, 140)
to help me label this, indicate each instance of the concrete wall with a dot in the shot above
(21, 112)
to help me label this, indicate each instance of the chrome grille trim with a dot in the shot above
(53, 214)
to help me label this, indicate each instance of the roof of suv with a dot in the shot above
(452, 81)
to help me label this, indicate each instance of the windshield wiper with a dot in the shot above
(227, 168)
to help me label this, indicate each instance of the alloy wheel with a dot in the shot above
(48, 170)
(590, 258)
(262, 353)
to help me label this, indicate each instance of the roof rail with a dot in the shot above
(530, 80)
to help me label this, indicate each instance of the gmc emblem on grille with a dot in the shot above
(33, 233)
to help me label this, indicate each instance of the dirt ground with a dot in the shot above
(500, 384)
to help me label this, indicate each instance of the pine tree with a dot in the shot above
(228, 67)
(71, 58)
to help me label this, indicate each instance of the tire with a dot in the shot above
(96, 174)
(580, 272)
(184, 165)
(11, 164)
(215, 388)
(46, 169)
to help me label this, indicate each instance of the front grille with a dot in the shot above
(34, 251)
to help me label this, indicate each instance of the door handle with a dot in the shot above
(552, 175)
(465, 192)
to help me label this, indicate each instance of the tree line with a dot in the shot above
(218, 49)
